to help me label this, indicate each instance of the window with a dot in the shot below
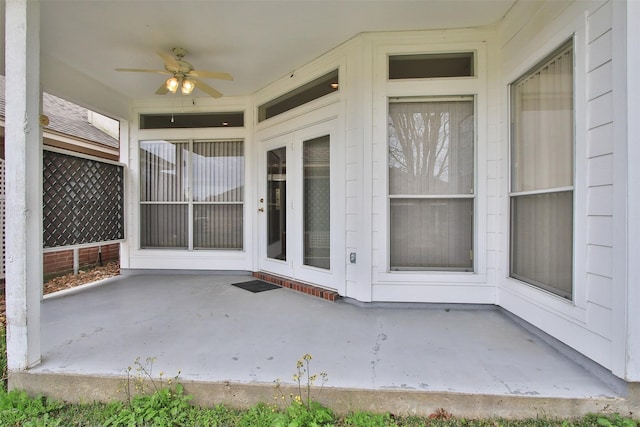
(191, 194)
(192, 120)
(432, 65)
(541, 198)
(431, 183)
(313, 90)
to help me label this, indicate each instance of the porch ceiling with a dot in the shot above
(257, 41)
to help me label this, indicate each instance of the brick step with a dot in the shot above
(305, 288)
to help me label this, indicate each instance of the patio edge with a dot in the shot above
(86, 389)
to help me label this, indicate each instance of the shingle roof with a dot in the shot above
(67, 118)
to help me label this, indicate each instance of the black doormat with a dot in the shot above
(256, 286)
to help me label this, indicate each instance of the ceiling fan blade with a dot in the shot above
(143, 70)
(211, 75)
(170, 62)
(162, 90)
(206, 88)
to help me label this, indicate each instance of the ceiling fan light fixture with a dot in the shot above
(187, 86)
(172, 84)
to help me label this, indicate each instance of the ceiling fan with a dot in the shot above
(183, 75)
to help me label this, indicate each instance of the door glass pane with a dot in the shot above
(276, 203)
(316, 202)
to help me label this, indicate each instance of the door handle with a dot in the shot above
(261, 210)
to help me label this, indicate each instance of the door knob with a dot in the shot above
(261, 210)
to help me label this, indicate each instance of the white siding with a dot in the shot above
(357, 162)
(528, 34)
(600, 172)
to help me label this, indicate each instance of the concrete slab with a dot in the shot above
(213, 333)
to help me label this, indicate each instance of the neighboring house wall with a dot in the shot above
(69, 128)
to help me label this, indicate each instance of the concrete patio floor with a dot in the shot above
(229, 345)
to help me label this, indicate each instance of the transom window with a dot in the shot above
(431, 183)
(431, 65)
(541, 198)
(191, 194)
(323, 85)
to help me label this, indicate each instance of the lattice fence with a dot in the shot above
(83, 200)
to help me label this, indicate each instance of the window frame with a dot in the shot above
(436, 196)
(564, 45)
(430, 286)
(190, 201)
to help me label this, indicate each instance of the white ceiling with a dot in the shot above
(257, 41)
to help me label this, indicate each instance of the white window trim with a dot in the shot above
(384, 89)
(182, 259)
(577, 307)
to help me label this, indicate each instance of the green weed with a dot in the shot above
(302, 409)
(3, 359)
(165, 407)
(18, 409)
(615, 420)
(260, 415)
(369, 419)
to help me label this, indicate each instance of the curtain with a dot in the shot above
(163, 184)
(218, 171)
(218, 177)
(163, 226)
(317, 202)
(542, 175)
(541, 236)
(199, 182)
(542, 148)
(431, 184)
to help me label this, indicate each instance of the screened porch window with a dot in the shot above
(191, 194)
(541, 197)
(431, 184)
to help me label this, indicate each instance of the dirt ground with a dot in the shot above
(71, 280)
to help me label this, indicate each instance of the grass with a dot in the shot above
(17, 409)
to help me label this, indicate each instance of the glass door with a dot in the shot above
(301, 230)
(277, 204)
(316, 195)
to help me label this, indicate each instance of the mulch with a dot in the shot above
(69, 281)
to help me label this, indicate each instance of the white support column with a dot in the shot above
(633, 191)
(626, 202)
(23, 155)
